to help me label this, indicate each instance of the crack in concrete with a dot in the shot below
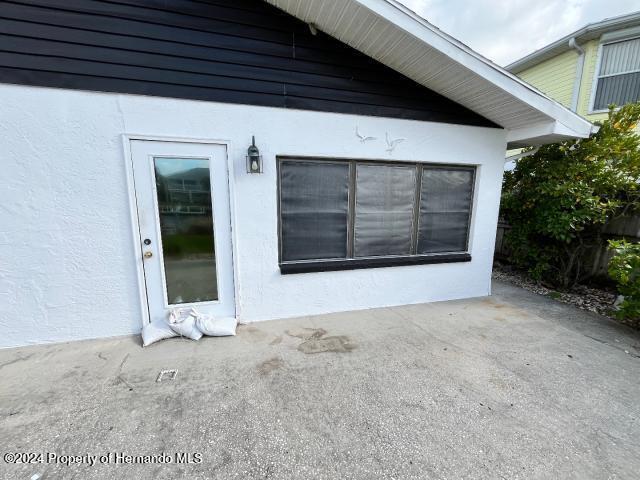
(16, 360)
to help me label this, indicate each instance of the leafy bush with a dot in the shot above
(558, 199)
(624, 269)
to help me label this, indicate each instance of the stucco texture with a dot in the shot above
(66, 236)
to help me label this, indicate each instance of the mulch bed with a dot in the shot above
(587, 298)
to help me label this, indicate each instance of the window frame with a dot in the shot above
(351, 262)
(607, 40)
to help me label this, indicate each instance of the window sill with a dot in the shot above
(379, 262)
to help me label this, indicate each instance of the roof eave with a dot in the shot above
(586, 33)
(502, 92)
(542, 134)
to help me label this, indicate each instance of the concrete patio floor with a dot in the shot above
(511, 386)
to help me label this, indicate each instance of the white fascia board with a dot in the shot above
(538, 130)
(541, 134)
(405, 19)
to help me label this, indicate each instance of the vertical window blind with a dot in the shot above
(619, 74)
(352, 209)
(445, 210)
(384, 210)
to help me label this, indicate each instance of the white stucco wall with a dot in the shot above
(67, 270)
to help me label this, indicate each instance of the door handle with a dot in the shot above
(147, 254)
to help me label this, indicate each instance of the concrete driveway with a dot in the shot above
(511, 386)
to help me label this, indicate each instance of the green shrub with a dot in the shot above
(624, 269)
(558, 199)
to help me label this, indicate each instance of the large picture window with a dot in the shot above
(341, 214)
(618, 78)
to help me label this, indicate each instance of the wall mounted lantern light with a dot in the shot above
(254, 159)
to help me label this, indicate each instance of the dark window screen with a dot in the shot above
(445, 209)
(314, 203)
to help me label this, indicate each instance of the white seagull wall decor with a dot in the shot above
(363, 138)
(391, 144)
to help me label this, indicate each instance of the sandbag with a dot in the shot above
(183, 322)
(155, 331)
(216, 327)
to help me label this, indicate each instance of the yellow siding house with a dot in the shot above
(589, 69)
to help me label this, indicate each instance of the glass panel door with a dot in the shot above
(184, 222)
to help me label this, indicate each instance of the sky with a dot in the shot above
(506, 30)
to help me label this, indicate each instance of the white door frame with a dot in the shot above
(133, 213)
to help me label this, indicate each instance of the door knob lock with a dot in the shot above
(148, 254)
